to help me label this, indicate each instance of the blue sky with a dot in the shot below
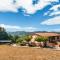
(30, 15)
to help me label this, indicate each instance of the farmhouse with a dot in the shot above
(52, 37)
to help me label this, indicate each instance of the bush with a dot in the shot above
(22, 40)
(41, 39)
(27, 38)
(19, 40)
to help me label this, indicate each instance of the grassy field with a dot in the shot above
(26, 53)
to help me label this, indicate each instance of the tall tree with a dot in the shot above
(3, 34)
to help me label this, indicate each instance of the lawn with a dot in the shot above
(27, 53)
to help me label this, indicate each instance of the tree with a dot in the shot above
(2, 29)
(19, 40)
(3, 34)
(23, 40)
(42, 39)
(13, 38)
(27, 38)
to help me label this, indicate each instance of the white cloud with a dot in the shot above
(8, 5)
(30, 29)
(55, 9)
(54, 13)
(17, 28)
(52, 21)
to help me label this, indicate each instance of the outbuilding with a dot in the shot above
(5, 41)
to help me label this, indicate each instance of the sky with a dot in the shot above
(30, 15)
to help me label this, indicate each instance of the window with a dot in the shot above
(57, 37)
(53, 38)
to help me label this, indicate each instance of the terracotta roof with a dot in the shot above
(48, 34)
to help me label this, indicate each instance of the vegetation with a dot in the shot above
(23, 39)
(3, 34)
(13, 38)
(27, 38)
(41, 39)
(20, 40)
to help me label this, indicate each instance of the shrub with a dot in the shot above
(41, 39)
